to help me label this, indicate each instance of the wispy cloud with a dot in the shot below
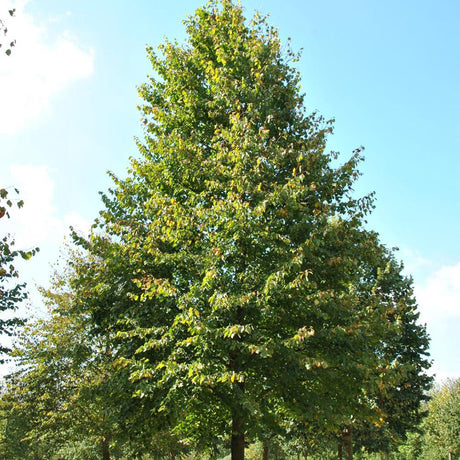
(442, 372)
(37, 69)
(437, 291)
(415, 263)
(38, 222)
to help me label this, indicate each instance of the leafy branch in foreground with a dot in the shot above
(11, 293)
(4, 30)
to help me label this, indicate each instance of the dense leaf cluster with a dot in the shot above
(229, 291)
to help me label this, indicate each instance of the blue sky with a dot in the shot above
(388, 73)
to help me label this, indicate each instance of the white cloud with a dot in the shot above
(38, 223)
(414, 262)
(443, 373)
(439, 296)
(37, 220)
(36, 70)
(78, 223)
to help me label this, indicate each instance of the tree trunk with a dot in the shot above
(105, 448)
(340, 450)
(172, 456)
(237, 436)
(450, 455)
(238, 412)
(266, 449)
(347, 443)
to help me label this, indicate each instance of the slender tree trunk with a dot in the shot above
(451, 457)
(237, 436)
(105, 448)
(172, 456)
(340, 450)
(347, 443)
(266, 449)
(238, 418)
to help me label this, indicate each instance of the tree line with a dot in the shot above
(229, 293)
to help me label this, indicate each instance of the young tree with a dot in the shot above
(233, 261)
(67, 387)
(69, 394)
(62, 388)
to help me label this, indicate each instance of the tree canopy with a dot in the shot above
(230, 287)
(233, 261)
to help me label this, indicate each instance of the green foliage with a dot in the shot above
(14, 426)
(64, 383)
(69, 394)
(232, 262)
(404, 384)
(412, 448)
(229, 292)
(436, 437)
(442, 426)
(11, 292)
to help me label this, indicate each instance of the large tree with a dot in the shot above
(232, 261)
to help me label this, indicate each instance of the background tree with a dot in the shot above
(403, 385)
(442, 426)
(14, 425)
(65, 384)
(75, 398)
(233, 262)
